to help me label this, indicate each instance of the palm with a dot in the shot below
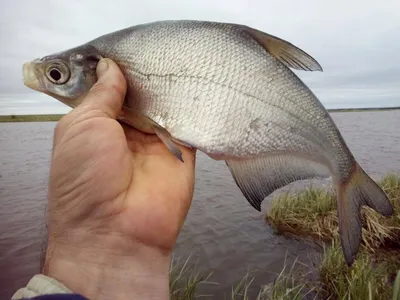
(129, 180)
(160, 191)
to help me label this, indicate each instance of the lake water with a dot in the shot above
(222, 232)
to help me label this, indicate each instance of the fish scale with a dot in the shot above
(229, 91)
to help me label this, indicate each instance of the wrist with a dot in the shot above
(120, 271)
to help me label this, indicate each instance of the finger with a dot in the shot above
(108, 93)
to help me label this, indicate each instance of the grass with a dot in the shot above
(185, 282)
(291, 285)
(284, 288)
(366, 279)
(312, 214)
(30, 118)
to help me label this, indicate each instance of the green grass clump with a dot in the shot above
(312, 213)
(396, 287)
(307, 213)
(291, 285)
(285, 287)
(184, 281)
(366, 279)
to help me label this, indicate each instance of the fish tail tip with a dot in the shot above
(350, 247)
(257, 206)
(358, 190)
(350, 261)
(350, 238)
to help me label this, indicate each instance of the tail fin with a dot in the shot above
(353, 193)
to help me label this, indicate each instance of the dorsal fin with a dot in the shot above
(287, 53)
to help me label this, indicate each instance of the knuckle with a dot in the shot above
(117, 91)
(62, 124)
(99, 88)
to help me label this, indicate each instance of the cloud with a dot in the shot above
(355, 42)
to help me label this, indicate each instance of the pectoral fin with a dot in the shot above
(287, 53)
(166, 138)
(259, 177)
(147, 125)
(135, 120)
(183, 143)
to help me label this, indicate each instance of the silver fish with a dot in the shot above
(227, 90)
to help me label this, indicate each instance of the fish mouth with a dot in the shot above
(29, 76)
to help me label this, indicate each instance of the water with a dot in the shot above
(222, 232)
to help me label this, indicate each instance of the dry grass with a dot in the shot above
(312, 213)
(185, 282)
(366, 279)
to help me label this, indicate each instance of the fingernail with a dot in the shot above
(102, 67)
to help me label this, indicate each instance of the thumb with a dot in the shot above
(108, 93)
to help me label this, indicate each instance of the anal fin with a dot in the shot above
(145, 124)
(258, 177)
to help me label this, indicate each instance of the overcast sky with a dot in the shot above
(356, 42)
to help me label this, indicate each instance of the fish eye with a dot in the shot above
(58, 73)
(55, 74)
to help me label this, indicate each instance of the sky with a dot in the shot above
(356, 42)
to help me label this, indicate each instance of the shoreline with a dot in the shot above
(30, 118)
(57, 117)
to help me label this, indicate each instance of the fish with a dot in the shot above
(230, 91)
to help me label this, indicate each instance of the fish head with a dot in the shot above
(66, 76)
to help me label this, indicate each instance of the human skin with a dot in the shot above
(117, 200)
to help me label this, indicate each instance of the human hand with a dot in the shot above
(117, 200)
